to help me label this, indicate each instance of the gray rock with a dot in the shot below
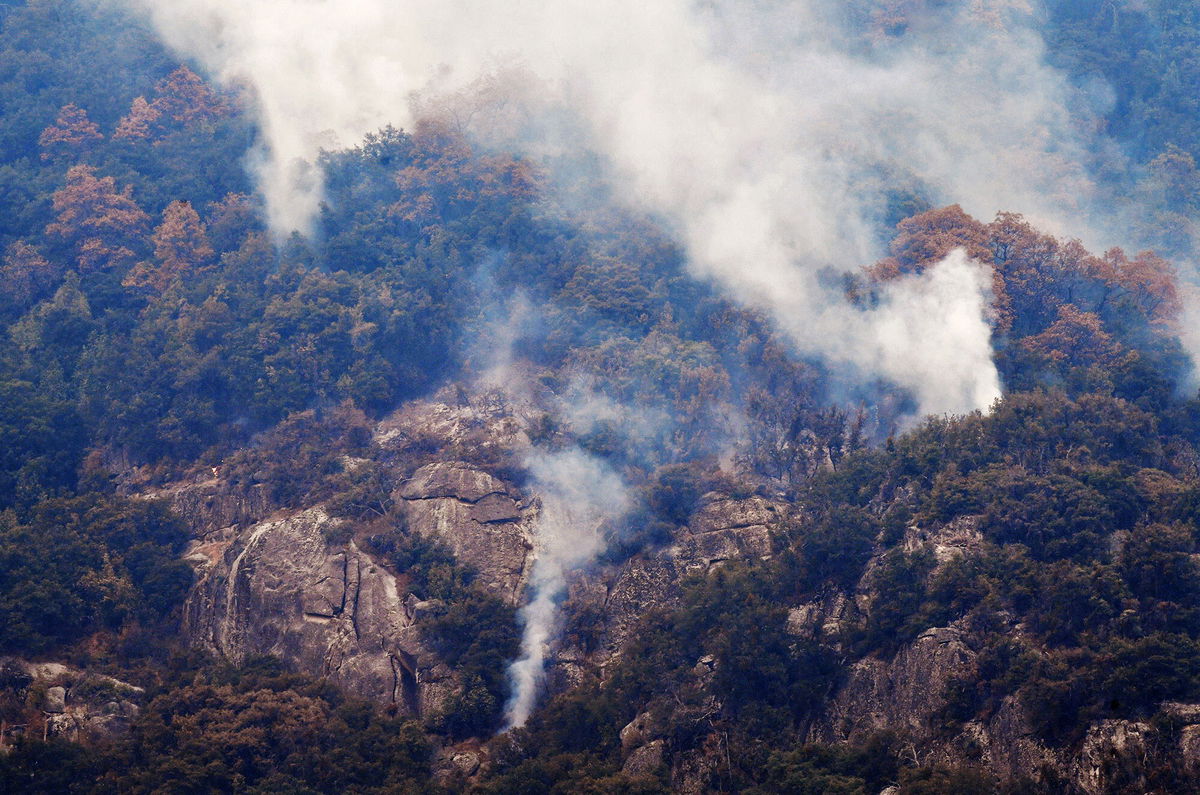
(450, 479)
(471, 512)
(644, 761)
(1112, 749)
(902, 694)
(280, 588)
(635, 733)
(1189, 749)
(823, 619)
(56, 700)
(211, 505)
(724, 528)
(78, 705)
(496, 508)
(466, 762)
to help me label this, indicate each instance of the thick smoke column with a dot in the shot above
(941, 309)
(578, 493)
(759, 129)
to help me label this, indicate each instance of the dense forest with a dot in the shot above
(156, 333)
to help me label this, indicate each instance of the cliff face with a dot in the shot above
(907, 695)
(302, 585)
(299, 584)
(477, 516)
(722, 529)
(282, 587)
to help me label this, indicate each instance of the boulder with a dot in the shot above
(635, 733)
(1189, 749)
(1113, 757)
(904, 693)
(457, 480)
(55, 701)
(76, 704)
(644, 761)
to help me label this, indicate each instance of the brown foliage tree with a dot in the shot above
(1076, 338)
(139, 123)
(180, 247)
(72, 133)
(446, 177)
(183, 97)
(100, 221)
(1151, 283)
(925, 239)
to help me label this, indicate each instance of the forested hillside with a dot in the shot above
(279, 509)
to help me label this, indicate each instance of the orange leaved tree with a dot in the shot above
(101, 223)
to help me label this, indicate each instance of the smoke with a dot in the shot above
(766, 133)
(578, 492)
(928, 333)
(761, 130)
(586, 409)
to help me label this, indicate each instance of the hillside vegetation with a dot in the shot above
(154, 333)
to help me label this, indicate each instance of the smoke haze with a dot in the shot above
(765, 134)
(578, 492)
(758, 129)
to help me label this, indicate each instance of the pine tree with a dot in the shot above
(71, 134)
(103, 224)
(180, 247)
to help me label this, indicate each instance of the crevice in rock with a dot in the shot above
(357, 593)
(493, 522)
(404, 682)
(463, 500)
(345, 584)
(726, 528)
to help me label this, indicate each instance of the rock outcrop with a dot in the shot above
(302, 585)
(477, 516)
(62, 701)
(901, 694)
(298, 585)
(211, 505)
(1114, 756)
(614, 598)
(287, 587)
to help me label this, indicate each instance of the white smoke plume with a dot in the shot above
(578, 492)
(757, 128)
(927, 333)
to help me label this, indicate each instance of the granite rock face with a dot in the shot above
(903, 693)
(299, 585)
(283, 587)
(614, 598)
(1114, 752)
(477, 516)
